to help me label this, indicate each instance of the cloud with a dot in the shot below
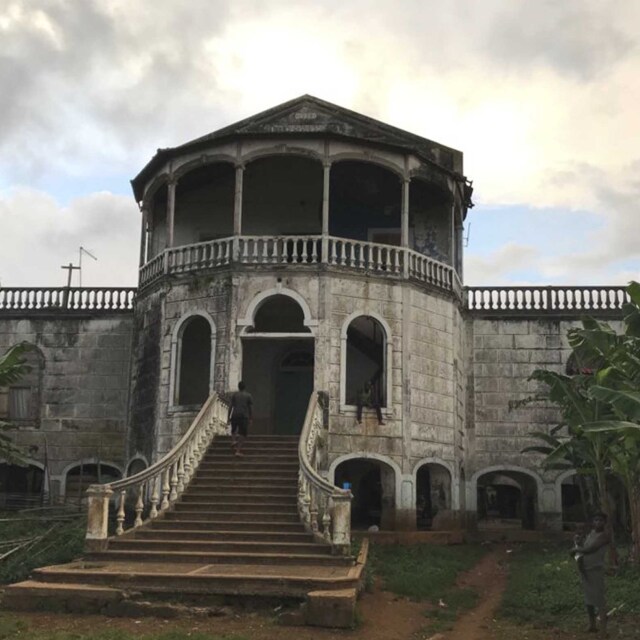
(39, 235)
(540, 96)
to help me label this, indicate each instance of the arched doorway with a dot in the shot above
(294, 384)
(21, 487)
(278, 365)
(433, 496)
(507, 499)
(372, 484)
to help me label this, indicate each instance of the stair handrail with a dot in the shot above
(158, 486)
(321, 503)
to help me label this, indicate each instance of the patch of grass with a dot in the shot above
(62, 544)
(12, 628)
(422, 572)
(544, 588)
(428, 573)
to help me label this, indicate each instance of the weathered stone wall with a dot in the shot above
(505, 352)
(209, 296)
(84, 388)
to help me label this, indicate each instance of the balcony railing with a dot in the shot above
(356, 255)
(66, 299)
(558, 300)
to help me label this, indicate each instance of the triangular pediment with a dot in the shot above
(308, 115)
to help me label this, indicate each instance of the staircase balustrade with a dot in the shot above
(156, 488)
(325, 510)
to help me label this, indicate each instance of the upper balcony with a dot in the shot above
(305, 183)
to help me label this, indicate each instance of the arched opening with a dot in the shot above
(194, 368)
(82, 475)
(430, 220)
(507, 499)
(204, 204)
(574, 507)
(366, 360)
(21, 487)
(282, 195)
(365, 202)
(433, 497)
(136, 466)
(278, 366)
(279, 314)
(372, 483)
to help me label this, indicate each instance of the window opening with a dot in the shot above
(366, 340)
(195, 362)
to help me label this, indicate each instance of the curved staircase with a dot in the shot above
(234, 531)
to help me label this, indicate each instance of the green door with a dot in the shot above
(293, 390)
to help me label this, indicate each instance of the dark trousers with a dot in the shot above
(375, 406)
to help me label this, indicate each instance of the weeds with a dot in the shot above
(544, 588)
(13, 629)
(428, 573)
(63, 543)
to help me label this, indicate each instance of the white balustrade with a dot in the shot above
(370, 256)
(555, 299)
(324, 509)
(152, 491)
(280, 249)
(47, 299)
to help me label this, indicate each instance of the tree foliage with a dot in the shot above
(599, 401)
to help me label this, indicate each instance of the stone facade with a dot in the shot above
(83, 390)
(283, 214)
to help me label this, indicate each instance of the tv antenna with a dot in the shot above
(80, 252)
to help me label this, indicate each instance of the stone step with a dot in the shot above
(234, 516)
(211, 498)
(177, 543)
(274, 440)
(231, 487)
(285, 505)
(219, 579)
(222, 525)
(242, 464)
(249, 459)
(229, 535)
(255, 447)
(60, 597)
(246, 476)
(211, 557)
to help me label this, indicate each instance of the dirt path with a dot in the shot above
(489, 579)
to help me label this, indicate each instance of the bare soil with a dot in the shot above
(382, 616)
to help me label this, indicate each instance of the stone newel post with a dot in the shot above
(342, 523)
(97, 517)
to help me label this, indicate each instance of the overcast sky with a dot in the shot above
(541, 96)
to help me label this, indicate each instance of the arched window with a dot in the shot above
(366, 347)
(81, 476)
(24, 397)
(433, 495)
(194, 366)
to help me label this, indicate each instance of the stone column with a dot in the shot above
(404, 225)
(326, 166)
(237, 211)
(97, 517)
(143, 235)
(171, 210)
